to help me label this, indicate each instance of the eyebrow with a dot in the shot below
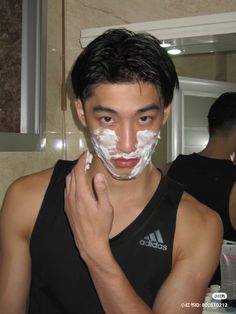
(150, 107)
(100, 108)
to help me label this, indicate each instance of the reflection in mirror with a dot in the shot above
(209, 57)
(206, 67)
(203, 44)
(23, 75)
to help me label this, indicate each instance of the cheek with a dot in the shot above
(106, 138)
(91, 123)
(147, 138)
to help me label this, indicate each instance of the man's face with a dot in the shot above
(124, 121)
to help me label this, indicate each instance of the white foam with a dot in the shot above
(105, 145)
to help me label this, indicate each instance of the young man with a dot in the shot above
(109, 234)
(210, 175)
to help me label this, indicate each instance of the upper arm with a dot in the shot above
(196, 253)
(17, 217)
(232, 206)
(14, 256)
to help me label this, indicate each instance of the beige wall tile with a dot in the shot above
(54, 77)
(17, 164)
(76, 144)
(202, 67)
(54, 24)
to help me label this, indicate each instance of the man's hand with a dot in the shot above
(88, 209)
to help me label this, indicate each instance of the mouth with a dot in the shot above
(125, 163)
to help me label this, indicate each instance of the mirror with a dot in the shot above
(210, 57)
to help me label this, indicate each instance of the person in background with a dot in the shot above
(108, 233)
(210, 175)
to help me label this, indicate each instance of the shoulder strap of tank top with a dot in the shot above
(61, 170)
(174, 190)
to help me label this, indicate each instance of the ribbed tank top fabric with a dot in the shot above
(60, 280)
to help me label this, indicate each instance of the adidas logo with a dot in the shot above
(154, 240)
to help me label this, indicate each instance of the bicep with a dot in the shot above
(181, 288)
(198, 245)
(14, 260)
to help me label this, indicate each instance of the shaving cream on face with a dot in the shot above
(105, 142)
(89, 158)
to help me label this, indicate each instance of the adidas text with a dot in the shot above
(154, 245)
(154, 240)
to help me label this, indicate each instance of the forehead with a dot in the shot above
(120, 95)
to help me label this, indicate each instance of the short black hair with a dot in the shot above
(122, 56)
(222, 114)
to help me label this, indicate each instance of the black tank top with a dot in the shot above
(210, 181)
(60, 280)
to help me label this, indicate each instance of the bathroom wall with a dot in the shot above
(64, 138)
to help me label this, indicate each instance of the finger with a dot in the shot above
(100, 185)
(81, 163)
(68, 183)
(69, 192)
(79, 168)
(80, 181)
(70, 178)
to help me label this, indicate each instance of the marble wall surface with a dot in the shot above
(64, 138)
(10, 69)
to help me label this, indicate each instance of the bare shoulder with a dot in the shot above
(23, 200)
(28, 188)
(196, 212)
(197, 225)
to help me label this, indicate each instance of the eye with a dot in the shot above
(145, 119)
(106, 120)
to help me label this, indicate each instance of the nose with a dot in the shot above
(127, 138)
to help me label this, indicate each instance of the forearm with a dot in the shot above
(116, 294)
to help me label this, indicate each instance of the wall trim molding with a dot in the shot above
(222, 23)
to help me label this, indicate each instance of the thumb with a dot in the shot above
(100, 185)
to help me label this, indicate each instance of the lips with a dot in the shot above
(125, 163)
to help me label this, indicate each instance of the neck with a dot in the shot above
(218, 148)
(121, 188)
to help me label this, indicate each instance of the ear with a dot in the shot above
(167, 111)
(80, 112)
